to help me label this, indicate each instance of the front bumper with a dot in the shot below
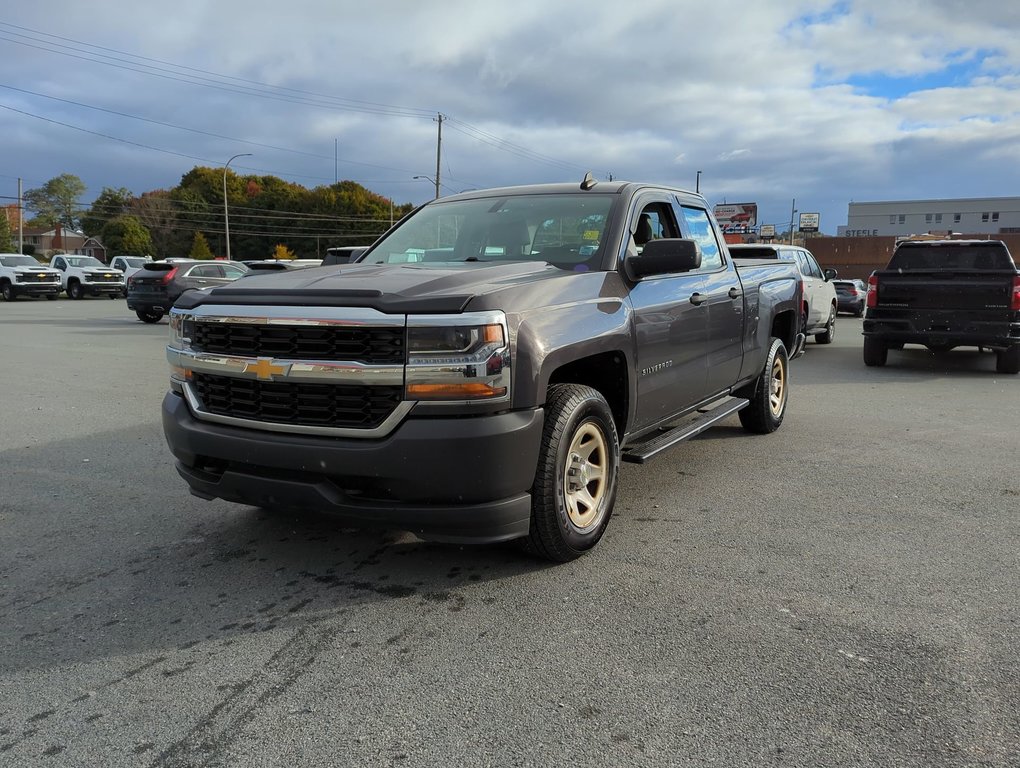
(446, 479)
(102, 289)
(36, 289)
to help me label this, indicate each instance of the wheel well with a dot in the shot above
(606, 372)
(784, 326)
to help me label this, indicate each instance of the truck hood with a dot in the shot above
(35, 271)
(389, 288)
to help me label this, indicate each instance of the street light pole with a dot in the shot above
(430, 180)
(226, 215)
(793, 212)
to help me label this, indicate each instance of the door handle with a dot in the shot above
(697, 299)
(734, 293)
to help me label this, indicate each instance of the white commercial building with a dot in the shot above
(973, 216)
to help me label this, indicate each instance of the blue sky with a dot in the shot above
(771, 101)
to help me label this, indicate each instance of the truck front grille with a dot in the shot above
(318, 405)
(378, 346)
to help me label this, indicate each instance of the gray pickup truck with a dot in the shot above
(482, 370)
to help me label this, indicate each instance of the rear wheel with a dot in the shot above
(7, 291)
(875, 351)
(575, 485)
(149, 317)
(769, 394)
(826, 336)
(1008, 360)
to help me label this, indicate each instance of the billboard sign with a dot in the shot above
(737, 217)
(767, 231)
(809, 222)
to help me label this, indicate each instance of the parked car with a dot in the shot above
(82, 276)
(487, 388)
(270, 265)
(154, 288)
(24, 276)
(820, 303)
(851, 296)
(129, 265)
(342, 255)
(946, 294)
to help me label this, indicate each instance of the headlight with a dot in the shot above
(458, 358)
(182, 325)
(87, 277)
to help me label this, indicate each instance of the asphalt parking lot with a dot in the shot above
(842, 592)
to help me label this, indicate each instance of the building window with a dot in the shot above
(903, 218)
(938, 218)
(892, 219)
(995, 216)
(956, 218)
(984, 218)
(927, 218)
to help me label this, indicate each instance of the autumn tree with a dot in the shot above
(6, 240)
(56, 201)
(110, 204)
(200, 248)
(158, 214)
(283, 252)
(126, 235)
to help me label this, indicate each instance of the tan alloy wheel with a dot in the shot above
(584, 477)
(777, 387)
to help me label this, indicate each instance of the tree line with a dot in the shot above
(268, 216)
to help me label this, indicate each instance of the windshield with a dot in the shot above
(84, 261)
(19, 261)
(134, 261)
(566, 231)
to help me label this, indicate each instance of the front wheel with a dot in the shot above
(1008, 360)
(875, 351)
(769, 393)
(149, 317)
(575, 485)
(51, 297)
(74, 290)
(827, 336)
(7, 291)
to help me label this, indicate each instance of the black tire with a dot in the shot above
(859, 312)
(894, 345)
(51, 297)
(939, 347)
(149, 317)
(827, 336)
(74, 290)
(1008, 360)
(115, 296)
(7, 291)
(875, 351)
(769, 393)
(569, 515)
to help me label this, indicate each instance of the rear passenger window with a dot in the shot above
(699, 229)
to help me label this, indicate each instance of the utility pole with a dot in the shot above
(697, 183)
(226, 215)
(336, 146)
(439, 149)
(21, 221)
(793, 212)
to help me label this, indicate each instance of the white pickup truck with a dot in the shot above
(24, 275)
(83, 276)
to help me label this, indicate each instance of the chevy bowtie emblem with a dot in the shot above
(264, 368)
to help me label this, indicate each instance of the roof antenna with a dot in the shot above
(588, 182)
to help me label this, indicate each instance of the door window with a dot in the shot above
(699, 228)
(205, 270)
(813, 269)
(654, 222)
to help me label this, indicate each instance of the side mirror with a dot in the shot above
(830, 274)
(664, 257)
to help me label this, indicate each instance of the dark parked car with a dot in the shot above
(155, 287)
(343, 254)
(851, 296)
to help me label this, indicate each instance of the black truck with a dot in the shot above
(482, 370)
(945, 294)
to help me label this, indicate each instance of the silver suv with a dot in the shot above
(819, 292)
